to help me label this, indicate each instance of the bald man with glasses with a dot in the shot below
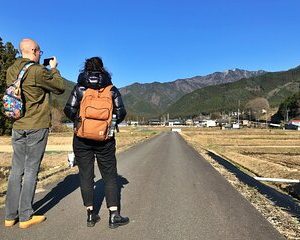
(30, 132)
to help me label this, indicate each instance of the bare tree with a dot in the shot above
(258, 106)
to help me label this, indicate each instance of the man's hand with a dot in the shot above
(53, 63)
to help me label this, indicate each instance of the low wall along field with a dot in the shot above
(263, 152)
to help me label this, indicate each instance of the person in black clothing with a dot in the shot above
(95, 76)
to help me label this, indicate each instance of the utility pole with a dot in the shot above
(238, 113)
(266, 119)
(250, 118)
(287, 115)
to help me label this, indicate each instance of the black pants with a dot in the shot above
(85, 153)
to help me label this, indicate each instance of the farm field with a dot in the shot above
(263, 152)
(55, 165)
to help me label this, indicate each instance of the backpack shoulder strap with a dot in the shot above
(106, 90)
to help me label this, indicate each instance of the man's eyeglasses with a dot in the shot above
(38, 50)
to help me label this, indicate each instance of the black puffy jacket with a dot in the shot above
(94, 80)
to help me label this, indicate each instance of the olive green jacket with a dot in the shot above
(38, 83)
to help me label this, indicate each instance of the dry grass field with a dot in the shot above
(260, 152)
(263, 152)
(54, 165)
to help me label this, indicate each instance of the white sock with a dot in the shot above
(114, 208)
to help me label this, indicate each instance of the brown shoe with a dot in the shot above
(32, 221)
(9, 223)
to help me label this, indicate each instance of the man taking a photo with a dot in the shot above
(30, 132)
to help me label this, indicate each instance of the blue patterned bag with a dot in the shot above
(12, 99)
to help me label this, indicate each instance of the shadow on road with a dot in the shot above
(281, 200)
(99, 192)
(67, 186)
(60, 191)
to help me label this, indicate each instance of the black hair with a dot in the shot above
(94, 64)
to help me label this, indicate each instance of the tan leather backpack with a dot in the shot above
(95, 114)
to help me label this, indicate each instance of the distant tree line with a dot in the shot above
(288, 109)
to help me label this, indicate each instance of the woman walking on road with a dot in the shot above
(94, 76)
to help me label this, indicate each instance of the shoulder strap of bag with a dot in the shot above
(22, 72)
(24, 69)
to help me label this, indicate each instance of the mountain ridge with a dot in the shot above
(214, 92)
(274, 86)
(157, 96)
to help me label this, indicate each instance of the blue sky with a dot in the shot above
(147, 41)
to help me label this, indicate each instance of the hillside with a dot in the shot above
(62, 99)
(151, 99)
(275, 87)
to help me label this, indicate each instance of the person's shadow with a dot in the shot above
(99, 192)
(70, 184)
(60, 191)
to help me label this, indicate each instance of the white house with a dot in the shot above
(208, 123)
(295, 122)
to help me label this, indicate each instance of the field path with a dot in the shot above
(51, 147)
(169, 192)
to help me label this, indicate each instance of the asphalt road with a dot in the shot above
(168, 191)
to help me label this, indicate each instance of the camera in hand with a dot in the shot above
(47, 61)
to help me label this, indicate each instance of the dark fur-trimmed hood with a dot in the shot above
(94, 80)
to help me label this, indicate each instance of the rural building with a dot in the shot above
(69, 124)
(123, 124)
(133, 123)
(196, 122)
(174, 122)
(246, 123)
(295, 122)
(209, 123)
(154, 122)
(189, 122)
(293, 125)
